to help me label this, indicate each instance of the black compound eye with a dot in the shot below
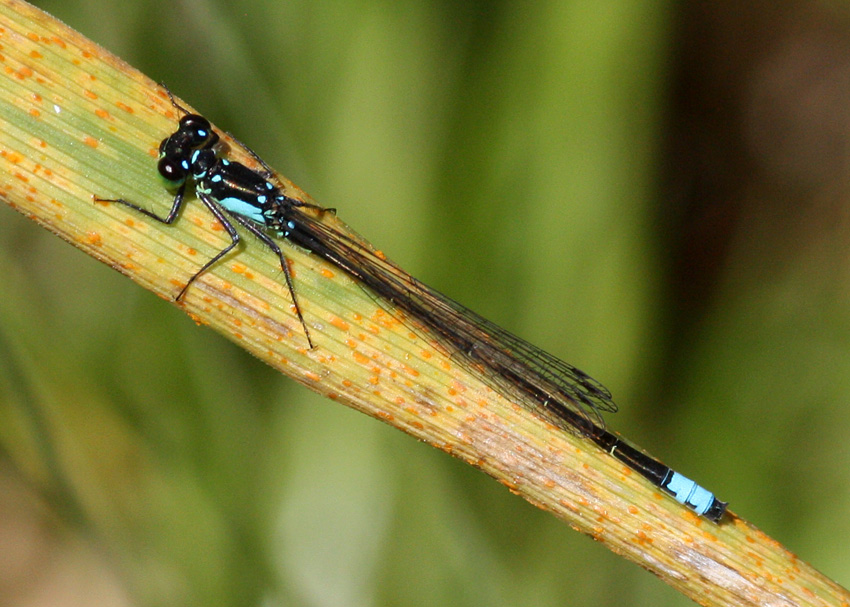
(172, 170)
(196, 128)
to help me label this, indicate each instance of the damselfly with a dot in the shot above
(541, 382)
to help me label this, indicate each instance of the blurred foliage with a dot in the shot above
(654, 192)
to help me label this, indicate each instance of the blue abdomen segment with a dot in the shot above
(687, 492)
(680, 487)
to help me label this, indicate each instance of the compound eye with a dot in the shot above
(171, 170)
(197, 127)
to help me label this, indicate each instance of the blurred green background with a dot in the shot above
(657, 192)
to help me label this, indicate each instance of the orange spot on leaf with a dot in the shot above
(339, 323)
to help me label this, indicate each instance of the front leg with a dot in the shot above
(168, 219)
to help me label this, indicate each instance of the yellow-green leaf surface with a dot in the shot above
(76, 123)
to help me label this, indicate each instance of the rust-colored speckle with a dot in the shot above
(398, 400)
(90, 141)
(374, 380)
(124, 107)
(417, 425)
(12, 157)
(452, 392)
(360, 358)
(292, 271)
(351, 343)
(237, 322)
(90, 94)
(426, 354)
(642, 539)
(43, 144)
(24, 73)
(549, 483)
(22, 177)
(385, 416)
(327, 273)
(58, 42)
(87, 54)
(312, 376)
(380, 255)
(35, 55)
(809, 592)
(238, 335)
(238, 268)
(191, 251)
(707, 534)
(36, 98)
(34, 112)
(512, 487)
(633, 510)
(357, 317)
(102, 114)
(195, 318)
(94, 239)
(347, 383)
(33, 37)
(568, 505)
(339, 323)
(411, 371)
